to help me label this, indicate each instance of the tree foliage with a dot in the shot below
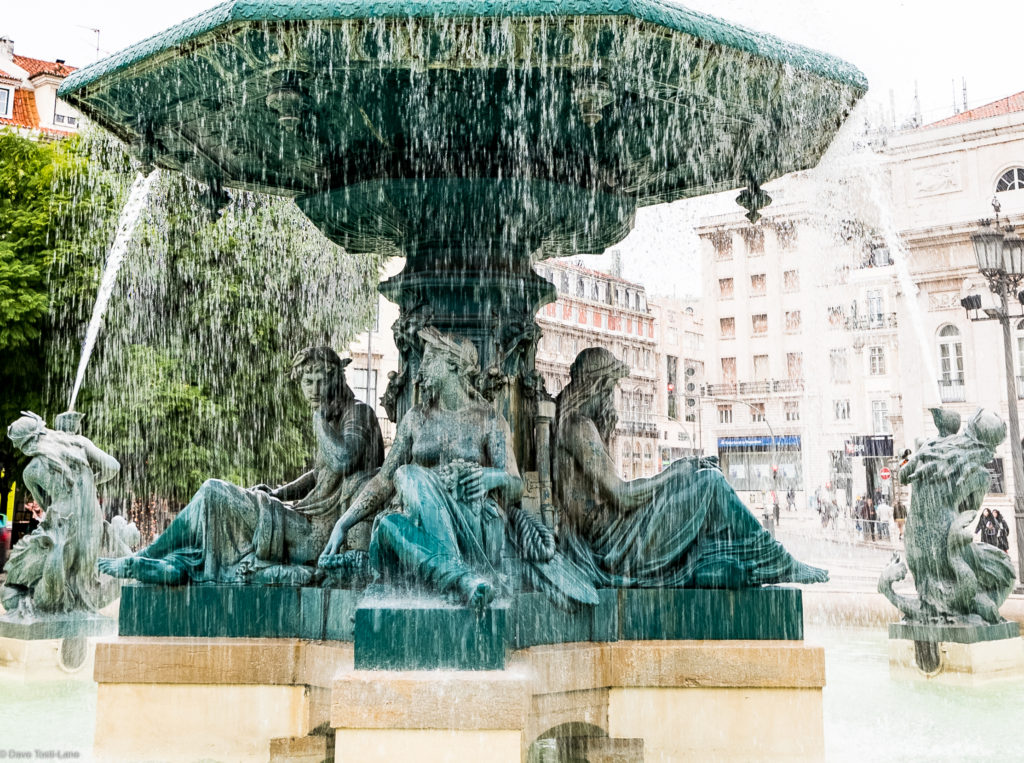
(189, 378)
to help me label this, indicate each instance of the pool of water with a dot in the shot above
(868, 715)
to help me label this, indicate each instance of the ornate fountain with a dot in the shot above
(473, 139)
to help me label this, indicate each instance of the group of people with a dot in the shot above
(443, 508)
(993, 529)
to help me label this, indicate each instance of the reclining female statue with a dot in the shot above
(53, 569)
(232, 534)
(684, 527)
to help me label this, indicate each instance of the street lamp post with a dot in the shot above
(1000, 255)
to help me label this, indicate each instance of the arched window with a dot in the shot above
(580, 288)
(951, 365)
(565, 282)
(951, 354)
(1011, 180)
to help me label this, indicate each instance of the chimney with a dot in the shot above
(6, 49)
(60, 61)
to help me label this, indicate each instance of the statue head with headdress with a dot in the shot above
(321, 375)
(591, 389)
(458, 353)
(25, 432)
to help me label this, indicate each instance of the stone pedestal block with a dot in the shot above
(958, 654)
(56, 647)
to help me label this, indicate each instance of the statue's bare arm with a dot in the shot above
(104, 466)
(380, 487)
(503, 473)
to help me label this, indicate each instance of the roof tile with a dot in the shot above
(1008, 105)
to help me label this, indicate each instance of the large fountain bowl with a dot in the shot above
(541, 125)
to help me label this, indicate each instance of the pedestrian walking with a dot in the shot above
(791, 500)
(1002, 531)
(987, 527)
(886, 515)
(899, 514)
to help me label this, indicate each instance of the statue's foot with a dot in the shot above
(116, 568)
(805, 573)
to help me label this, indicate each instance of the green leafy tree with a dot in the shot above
(217, 292)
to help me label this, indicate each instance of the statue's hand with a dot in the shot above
(474, 483)
(334, 545)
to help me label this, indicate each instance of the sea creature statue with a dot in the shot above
(454, 472)
(230, 534)
(52, 570)
(684, 527)
(958, 580)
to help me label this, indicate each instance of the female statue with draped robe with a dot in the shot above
(684, 527)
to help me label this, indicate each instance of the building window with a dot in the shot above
(792, 321)
(754, 240)
(565, 282)
(761, 368)
(595, 292)
(785, 233)
(759, 324)
(356, 378)
(757, 412)
(58, 119)
(880, 417)
(841, 408)
(795, 365)
(6, 101)
(725, 288)
(725, 414)
(840, 363)
(791, 280)
(636, 300)
(1020, 357)
(995, 471)
(727, 326)
(951, 354)
(1011, 180)
(758, 284)
(580, 288)
(729, 370)
(876, 358)
(875, 308)
(792, 410)
(835, 316)
(722, 241)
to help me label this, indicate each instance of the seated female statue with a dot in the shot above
(451, 459)
(684, 527)
(230, 534)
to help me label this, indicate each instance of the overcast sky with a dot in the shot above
(896, 43)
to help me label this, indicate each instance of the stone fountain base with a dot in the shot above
(52, 647)
(395, 632)
(962, 654)
(288, 699)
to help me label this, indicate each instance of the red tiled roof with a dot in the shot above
(1008, 105)
(36, 66)
(26, 115)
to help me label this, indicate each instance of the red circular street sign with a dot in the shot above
(886, 473)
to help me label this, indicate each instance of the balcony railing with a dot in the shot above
(871, 322)
(648, 428)
(763, 387)
(952, 390)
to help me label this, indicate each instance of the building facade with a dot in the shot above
(597, 309)
(802, 352)
(28, 94)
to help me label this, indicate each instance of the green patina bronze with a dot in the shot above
(958, 581)
(52, 583)
(472, 138)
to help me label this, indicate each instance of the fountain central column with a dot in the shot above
(488, 295)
